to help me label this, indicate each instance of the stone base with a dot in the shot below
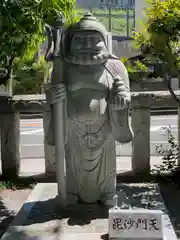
(41, 217)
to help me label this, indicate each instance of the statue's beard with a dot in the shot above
(85, 57)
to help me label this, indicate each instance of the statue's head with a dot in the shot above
(87, 42)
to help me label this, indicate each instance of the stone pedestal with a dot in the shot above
(10, 142)
(41, 219)
(141, 142)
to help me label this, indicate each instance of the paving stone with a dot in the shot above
(41, 217)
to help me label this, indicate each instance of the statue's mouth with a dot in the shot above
(89, 56)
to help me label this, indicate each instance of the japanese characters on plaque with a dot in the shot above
(135, 224)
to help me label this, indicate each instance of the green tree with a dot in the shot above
(161, 35)
(29, 77)
(22, 24)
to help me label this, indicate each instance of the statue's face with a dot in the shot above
(87, 48)
(87, 41)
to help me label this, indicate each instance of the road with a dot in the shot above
(32, 136)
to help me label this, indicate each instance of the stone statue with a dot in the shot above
(95, 87)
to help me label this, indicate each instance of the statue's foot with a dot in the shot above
(108, 200)
(72, 199)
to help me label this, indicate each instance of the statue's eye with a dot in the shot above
(86, 41)
(76, 43)
(98, 40)
(79, 40)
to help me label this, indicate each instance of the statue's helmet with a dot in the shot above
(87, 38)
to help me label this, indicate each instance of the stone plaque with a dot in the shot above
(135, 224)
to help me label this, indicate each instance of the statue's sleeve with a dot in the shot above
(49, 133)
(119, 119)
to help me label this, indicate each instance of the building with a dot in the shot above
(103, 3)
(140, 7)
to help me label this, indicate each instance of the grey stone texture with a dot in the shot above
(141, 143)
(10, 140)
(89, 100)
(42, 218)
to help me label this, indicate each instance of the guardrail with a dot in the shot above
(142, 105)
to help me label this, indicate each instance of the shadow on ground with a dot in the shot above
(81, 214)
(135, 195)
(132, 195)
(6, 217)
(171, 197)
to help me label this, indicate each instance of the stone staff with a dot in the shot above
(58, 108)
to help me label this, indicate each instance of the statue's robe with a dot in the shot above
(92, 129)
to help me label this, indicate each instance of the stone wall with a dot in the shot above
(148, 86)
(142, 104)
(156, 85)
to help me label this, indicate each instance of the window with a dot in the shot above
(115, 2)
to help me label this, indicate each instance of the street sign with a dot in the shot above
(135, 224)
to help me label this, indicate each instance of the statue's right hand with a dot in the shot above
(56, 94)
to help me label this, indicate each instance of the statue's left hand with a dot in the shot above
(120, 94)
